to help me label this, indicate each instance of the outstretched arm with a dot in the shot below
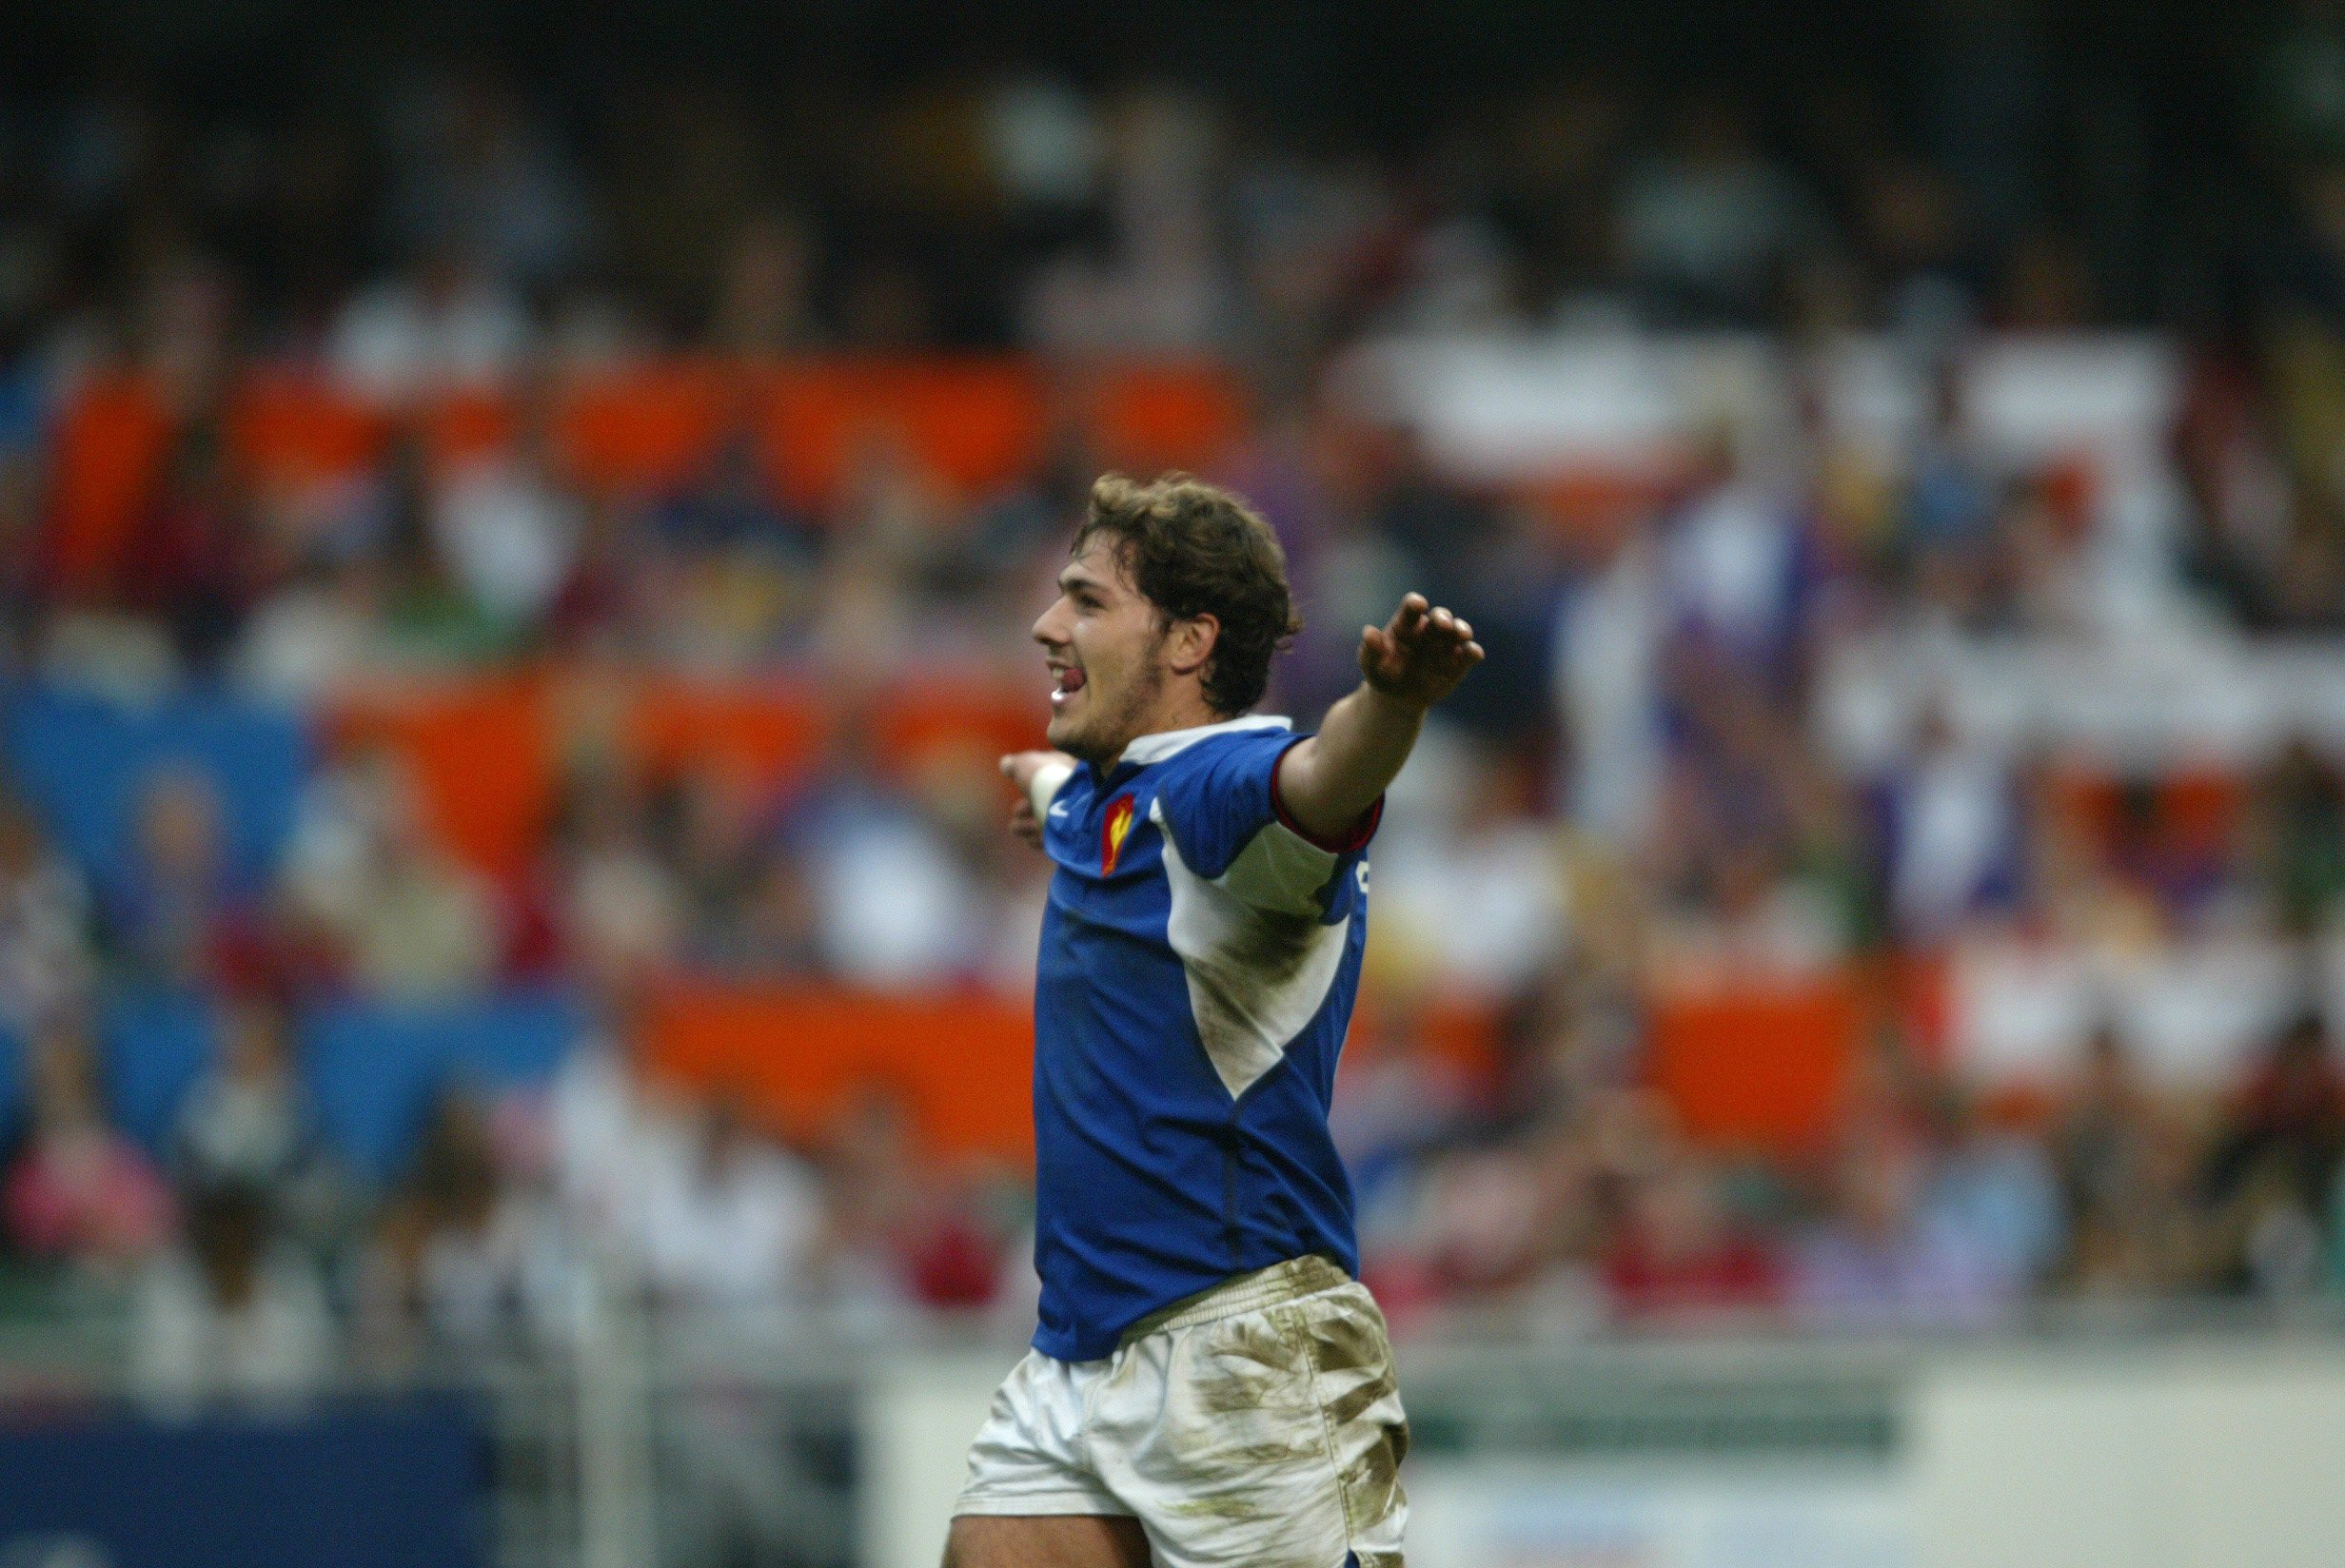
(1327, 783)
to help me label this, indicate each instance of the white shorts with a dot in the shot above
(1257, 1424)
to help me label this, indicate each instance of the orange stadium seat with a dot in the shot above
(2203, 807)
(466, 424)
(1460, 1030)
(941, 708)
(112, 443)
(492, 817)
(1150, 417)
(796, 1057)
(969, 425)
(644, 428)
(769, 730)
(294, 430)
(1756, 1064)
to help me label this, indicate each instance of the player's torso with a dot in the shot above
(1188, 1014)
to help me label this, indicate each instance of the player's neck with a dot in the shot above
(1183, 709)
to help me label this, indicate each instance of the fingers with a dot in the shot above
(1416, 623)
(1409, 620)
(1417, 617)
(1425, 647)
(1445, 624)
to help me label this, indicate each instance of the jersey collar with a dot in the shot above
(1155, 748)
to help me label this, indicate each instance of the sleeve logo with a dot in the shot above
(1112, 831)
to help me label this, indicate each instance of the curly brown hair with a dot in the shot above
(1194, 549)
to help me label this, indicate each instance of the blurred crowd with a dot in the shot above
(1633, 788)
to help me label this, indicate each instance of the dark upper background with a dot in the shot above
(2142, 138)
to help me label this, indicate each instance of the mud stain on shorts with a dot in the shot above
(1226, 1507)
(1358, 1392)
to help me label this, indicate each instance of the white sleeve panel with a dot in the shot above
(1256, 972)
(1280, 870)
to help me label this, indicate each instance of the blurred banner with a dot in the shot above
(379, 1485)
(1534, 1515)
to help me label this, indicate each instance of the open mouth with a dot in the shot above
(1066, 681)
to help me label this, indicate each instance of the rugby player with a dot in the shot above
(1210, 1383)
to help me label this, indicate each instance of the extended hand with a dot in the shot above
(1019, 768)
(1420, 656)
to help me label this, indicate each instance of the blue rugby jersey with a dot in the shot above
(1198, 964)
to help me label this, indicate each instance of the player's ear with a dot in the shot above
(1190, 643)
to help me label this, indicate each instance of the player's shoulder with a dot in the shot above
(1176, 753)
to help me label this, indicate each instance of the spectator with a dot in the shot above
(1708, 226)
(447, 326)
(508, 532)
(1397, 1101)
(177, 919)
(607, 1132)
(618, 907)
(44, 959)
(2125, 1175)
(228, 1314)
(1950, 833)
(1994, 1193)
(315, 632)
(761, 305)
(1870, 1262)
(2271, 1172)
(896, 906)
(406, 919)
(463, 1262)
(1678, 1253)
(612, 598)
(1734, 563)
(1492, 853)
(899, 1237)
(198, 567)
(729, 508)
(2298, 829)
(246, 1125)
(80, 1193)
(729, 1227)
(1946, 528)
(1608, 687)
(1914, 229)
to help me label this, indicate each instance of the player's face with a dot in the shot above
(1104, 645)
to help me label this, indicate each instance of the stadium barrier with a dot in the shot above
(2198, 1451)
(620, 1438)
